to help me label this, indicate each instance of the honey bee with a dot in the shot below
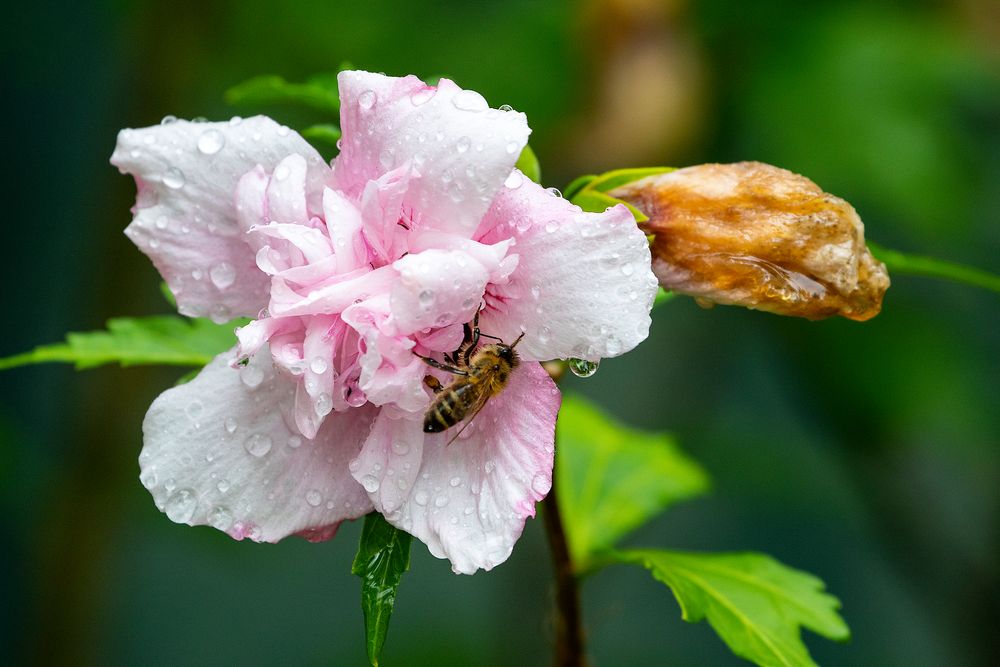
(480, 374)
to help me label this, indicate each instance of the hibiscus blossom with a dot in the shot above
(352, 270)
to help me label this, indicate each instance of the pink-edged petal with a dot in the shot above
(286, 191)
(462, 149)
(343, 221)
(583, 285)
(185, 218)
(436, 288)
(220, 451)
(469, 500)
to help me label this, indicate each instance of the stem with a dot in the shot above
(568, 622)
(898, 262)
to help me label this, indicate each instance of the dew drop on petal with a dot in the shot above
(463, 144)
(181, 505)
(258, 444)
(173, 178)
(401, 448)
(441, 500)
(455, 481)
(294, 441)
(354, 465)
(314, 497)
(583, 368)
(421, 497)
(514, 181)
(223, 275)
(627, 269)
(366, 100)
(168, 119)
(211, 142)
(540, 484)
(511, 147)
(318, 365)
(252, 376)
(423, 96)
(149, 478)
(371, 483)
(220, 518)
(551, 226)
(281, 172)
(554, 192)
(219, 314)
(230, 424)
(324, 404)
(223, 485)
(426, 298)
(470, 100)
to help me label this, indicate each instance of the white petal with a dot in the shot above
(222, 450)
(185, 215)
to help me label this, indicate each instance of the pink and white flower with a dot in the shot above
(351, 270)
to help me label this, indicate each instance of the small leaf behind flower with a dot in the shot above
(326, 133)
(383, 556)
(527, 162)
(610, 180)
(613, 479)
(160, 339)
(319, 92)
(754, 603)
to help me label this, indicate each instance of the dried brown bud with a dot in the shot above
(754, 235)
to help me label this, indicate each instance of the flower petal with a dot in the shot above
(185, 216)
(220, 450)
(462, 149)
(436, 288)
(469, 500)
(583, 285)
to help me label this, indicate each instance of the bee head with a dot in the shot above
(507, 352)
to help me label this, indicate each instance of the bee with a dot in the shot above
(480, 374)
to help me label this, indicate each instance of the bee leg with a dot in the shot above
(445, 367)
(433, 383)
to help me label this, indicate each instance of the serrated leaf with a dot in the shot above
(319, 92)
(594, 201)
(755, 604)
(160, 339)
(612, 479)
(383, 556)
(326, 133)
(527, 162)
(612, 179)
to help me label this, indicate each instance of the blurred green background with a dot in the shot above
(865, 453)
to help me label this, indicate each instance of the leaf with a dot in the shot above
(160, 339)
(325, 132)
(598, 202)
(527, 162)
(612, 479)
(577, 184)
(383, 556)
(754, 603)
(900, 263)
(663, 296)
(319, 92)
(610, 180)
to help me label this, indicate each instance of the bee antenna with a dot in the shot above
(514, 344)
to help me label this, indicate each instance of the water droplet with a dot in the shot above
(231, 424)
(294, 441)
(421, 497)
(514, 181)
(627, 269)
(512, 147)
(219, 314)
(463, 144)
(193, 409)
(220, 518)
(366, 100)
(318, 365)
(426, 298)
(173, 178)
(235, 120)
(283, 131)
(541, 484)
(324, 404)
(371, 483)
(314, 497)
(401, 483)
(551, 226)
(180, 506)
(168, 119)
(211, 142)
(554, 192)
(223, 485)
(258, 444)
(470, 100)
(423, 96)
(222, 275)
(506, 107)
(148, 478)
(281, 172)
(354, 465)
(441, 500)
(401, 448)
(455, 481)
(162, 222)
(583, 368)
(252, 376)
(197, 274)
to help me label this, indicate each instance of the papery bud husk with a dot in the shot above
(758, 236)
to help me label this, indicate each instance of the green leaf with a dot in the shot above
(319, 92)
(383, 557)
(900, 263)
(577, 184)
(326, 133)
(612, 479)
(527, 162)
(754, 603)
(612, 179)
(597, 202)
(160, 339)
(663, 296)
(168, 295)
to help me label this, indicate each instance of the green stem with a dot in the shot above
(914, 265)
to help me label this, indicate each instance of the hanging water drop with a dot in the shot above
(583, 368)
(222, 275)
(211, 142)
(366, 100)
(173, 178)
(258, 444)
(180, 506)
(470, 100)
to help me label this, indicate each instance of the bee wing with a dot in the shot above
(482, 404)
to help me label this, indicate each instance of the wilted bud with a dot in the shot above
(758, 236)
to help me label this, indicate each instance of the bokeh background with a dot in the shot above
(865, 453)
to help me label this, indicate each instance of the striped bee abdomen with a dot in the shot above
(451, 405)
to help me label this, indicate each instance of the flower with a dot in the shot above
(758, 236)
(351, 271)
